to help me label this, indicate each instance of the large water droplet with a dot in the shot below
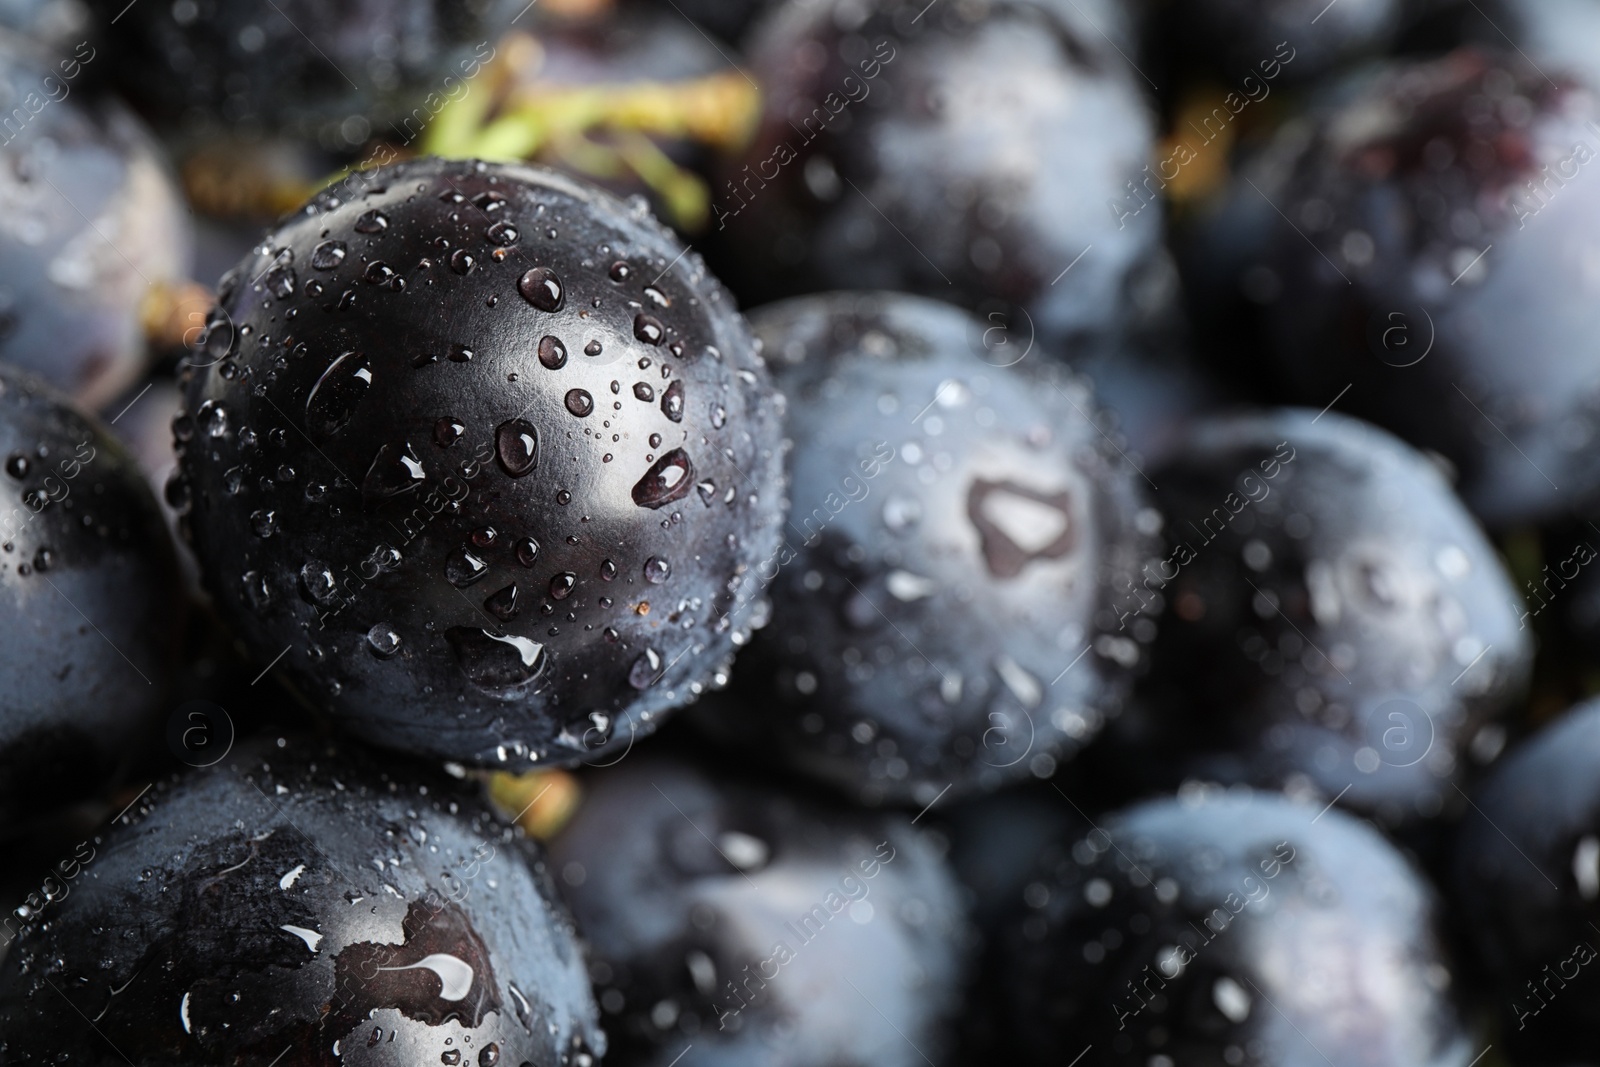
(395, 470)
(527, 551)
(281, 282)
(648, 329)
(1017, 525)
(495, 661)
(672, 402)
(657, 570)
(264, 522)
(667, 480)
(383, 641)
(462, 568)
(447, 431)
(328, 255)
(373, 221)
(462, 261)
(257, 591)
(541, 288)
(319, 582)
(561, 585)
(646, 670)
(620, 271)
(337, 393)
(503, 604)
(642, 391)
(579, 402)
(552, 353)
(516, 446)
(502, 233)
(378, 273)
(212, 418)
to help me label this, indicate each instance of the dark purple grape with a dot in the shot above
(758, 927)
(1336, 622)
(1226, 928)
(960, 537)
(373, 577)
(90, 584)
(301, 903)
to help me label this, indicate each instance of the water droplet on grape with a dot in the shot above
(541, 288)
(328, 255)
(334, 398)
(516, 446)
(667, 480)
(552, 353)
(579, 402)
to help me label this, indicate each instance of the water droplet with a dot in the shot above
(719, 417)
(502, 233)
(18, 466)
(657, 296)
(485, 536)
(562, 585)
(462, 568)
(563, 498)
(264, 522)
(579, 402)
(281, 282)
(608, 570)
(1018, 525)
(527, 551)
(321, 585)
(516, 446)
(256, 590)
(328, 255)
(176, 492)
(212, 418)
(672, 402)
(901, 512)
(642, 391)
(667, 480)
(657, 570)
(378, 272)
(908, 587)
(334, 398)
(383, 641)
(395, 470)
(620, 271)
(646, 670)
(495, 661)
(447, 431)
(552, 353)
(503, 604)
(593, 348)
(648, 329)
(460, 354)
(541, 288)
(462, 261)
(450, 1057)
(489, 1055)
(707, 491)
(373, 221)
